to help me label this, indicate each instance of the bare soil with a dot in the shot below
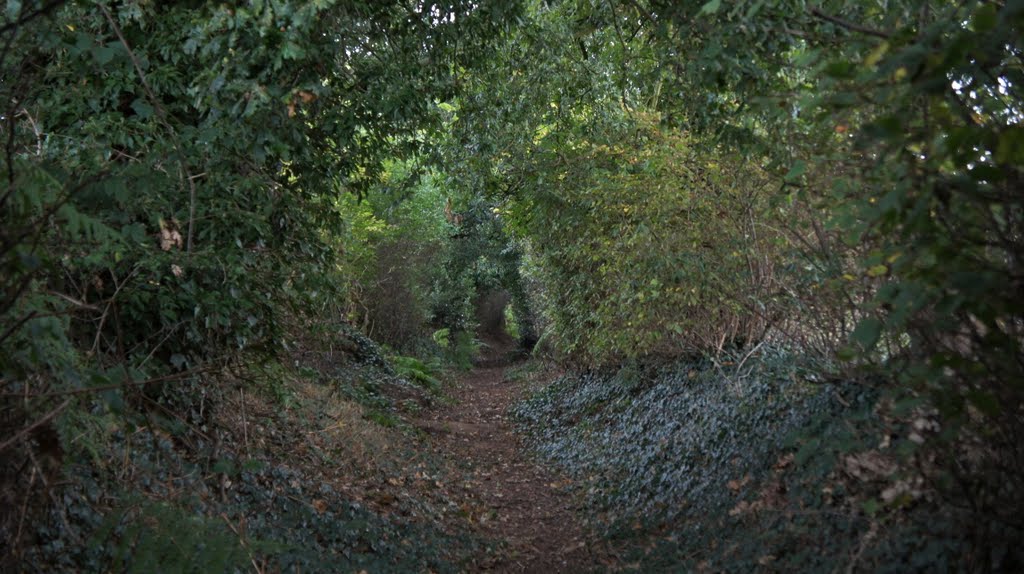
(505, 493)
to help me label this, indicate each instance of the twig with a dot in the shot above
(817, 13)
(74, 301)
(245, 545)
(37, 226)
(177, 416)
(156, 348)
(24, 509)
(106, 309)
(25, 431)
(625, 54)
(643, 12)
(53, 497)
(748, 355)
(245, 430)
(17, 325)
(35, 130)
(47, 8)
(867, 538)
(163, 379)
(162, 114)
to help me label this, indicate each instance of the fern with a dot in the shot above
(418, 372)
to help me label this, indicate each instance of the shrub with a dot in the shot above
(647, 247)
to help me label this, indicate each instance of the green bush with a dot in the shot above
(647, 247)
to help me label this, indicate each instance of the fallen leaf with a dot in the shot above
(734, 485)
(869, 465)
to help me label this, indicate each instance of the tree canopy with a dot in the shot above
(191, 189)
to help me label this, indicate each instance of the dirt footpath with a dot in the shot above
(507, 494)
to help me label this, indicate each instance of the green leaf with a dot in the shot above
(876, 55)
(142, 109)
(985, 18)
(178, 361)
(985, 402)
(871, 506)
(103, 54)
(867, 333)
(13, 9)
(114, 400)
(806, 451)
(711, 7)
(906, 405)
(223, 466)
(253, 465)
(798, 169)
(840, 69)
(1011, 146)
(877, 271)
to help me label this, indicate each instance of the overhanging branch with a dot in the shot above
(817, 13)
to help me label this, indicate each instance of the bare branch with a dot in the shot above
(643, 11)
(114, 386)
(46, 9)
(27, 430)
(817, 13)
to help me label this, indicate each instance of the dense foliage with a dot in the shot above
(195, 194)
(179, 213)
(871, 216)
(631, 269)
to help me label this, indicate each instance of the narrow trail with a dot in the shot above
(509, 496)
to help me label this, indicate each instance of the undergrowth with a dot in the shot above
(707, 466)
(310, 467)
